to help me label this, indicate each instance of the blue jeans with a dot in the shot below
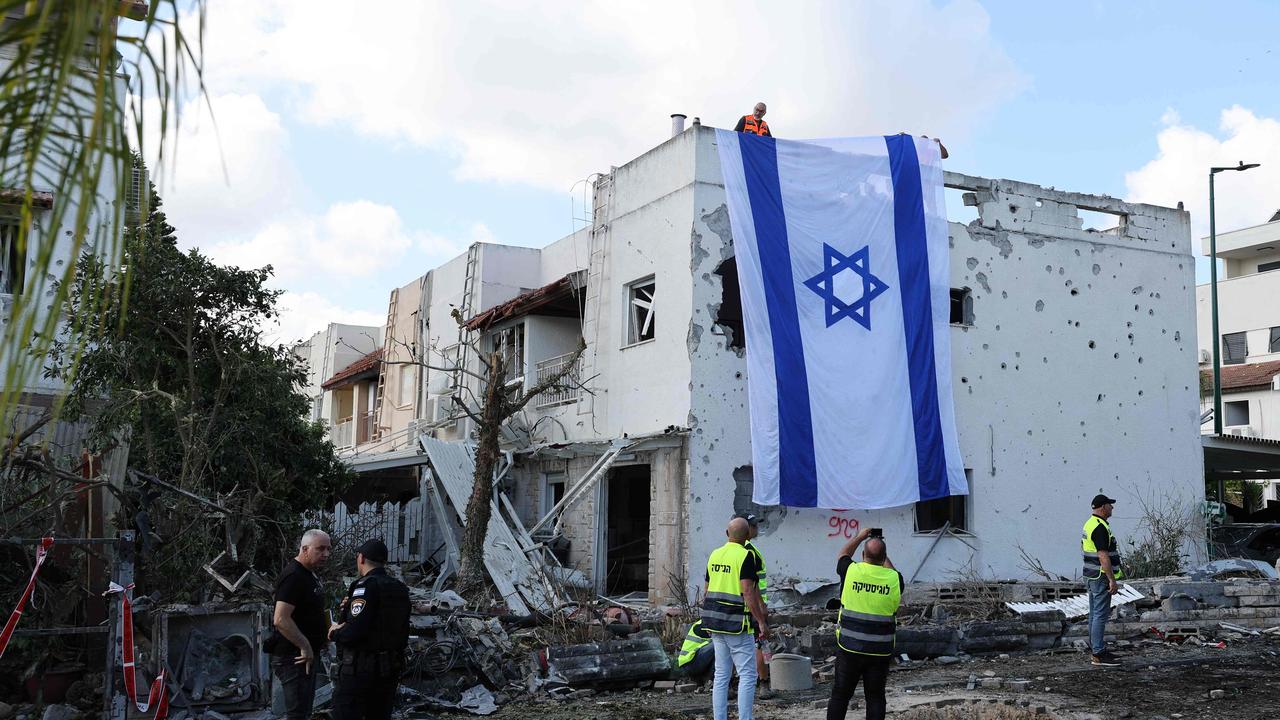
(1099, 611)
(734, 651)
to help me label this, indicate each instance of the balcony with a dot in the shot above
(567, 391)
(342, 434)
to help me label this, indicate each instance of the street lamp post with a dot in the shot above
(1213, 294)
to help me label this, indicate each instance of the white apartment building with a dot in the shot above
(1073, 359)
(327, 353)
(1249, 343)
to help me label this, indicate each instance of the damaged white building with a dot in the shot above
(1074, 361)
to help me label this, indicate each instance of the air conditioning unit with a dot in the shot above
(440, 408)
(1275, 383)
(1242, 431)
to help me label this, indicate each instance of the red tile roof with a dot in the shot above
(1244, 377)
(367, 365)
(523, 304)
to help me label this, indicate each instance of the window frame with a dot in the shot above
(405, 390)
(636, 335)
(966, 509)
(1273, 344)
(498, 342)
(11, 266)
(965, 296)
(1231, 406)
(1227, 358)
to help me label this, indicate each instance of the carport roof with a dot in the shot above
(1233, 457)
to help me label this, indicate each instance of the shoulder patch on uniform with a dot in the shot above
(358, 592)
(357, 607)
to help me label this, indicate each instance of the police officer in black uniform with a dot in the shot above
(371, 637)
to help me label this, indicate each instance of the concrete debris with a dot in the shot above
(1234, 567)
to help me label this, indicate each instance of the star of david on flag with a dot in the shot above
(844, 269)
(824, 284)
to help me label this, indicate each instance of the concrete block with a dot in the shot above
(991, 683)
(1177, 602)
(993, 643)
(1257, 601)
(1018, 685)
(1195, 590)
(822, 705)
(1250, 589)
(665, 685)
(686, 687)
(991, 629)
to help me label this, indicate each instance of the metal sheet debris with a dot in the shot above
(1077, 605)
(511, 569)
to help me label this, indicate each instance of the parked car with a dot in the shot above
(1256, 541)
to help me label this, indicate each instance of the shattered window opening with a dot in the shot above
(509, 343)
(640, 310)
(932, 515)
(961, 306)
(1235, 348)
(12, 261)
(729, 314)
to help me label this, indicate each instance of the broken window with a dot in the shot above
(12, 259)
(933, 515)
(640, 321)
(552, 491)
(961, 306)
(1236, 412)
(1235, 348)
(729, 314)
(509, 342)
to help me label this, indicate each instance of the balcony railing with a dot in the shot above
(568, 390)
(366, 427)
(342, 434)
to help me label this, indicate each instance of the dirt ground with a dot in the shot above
(1156, 681)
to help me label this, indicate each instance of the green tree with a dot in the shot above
(181, 371)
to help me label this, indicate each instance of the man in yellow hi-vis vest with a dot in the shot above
(1102, 567)
(870, 592)
(732, 594)
(762, 667)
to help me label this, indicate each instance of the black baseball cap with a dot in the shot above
(374, 550)
(1100, 500)
(752, 520)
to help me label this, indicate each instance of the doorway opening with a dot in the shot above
(627, 531)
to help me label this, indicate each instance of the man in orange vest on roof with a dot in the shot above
(754, 123)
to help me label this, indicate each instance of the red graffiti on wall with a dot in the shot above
(848, 527)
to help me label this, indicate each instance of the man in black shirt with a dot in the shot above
(300, 620)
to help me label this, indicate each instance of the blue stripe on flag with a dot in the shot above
(917, 314)
(797, 469)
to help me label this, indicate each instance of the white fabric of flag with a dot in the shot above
(844, 269)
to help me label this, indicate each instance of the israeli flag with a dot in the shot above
(843, 262)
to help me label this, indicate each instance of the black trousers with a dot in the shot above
(364, 696)
(298, 685)
(872, 670)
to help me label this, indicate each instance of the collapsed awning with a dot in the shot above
(561, 298)
(1235, 457)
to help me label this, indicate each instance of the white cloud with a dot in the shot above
(351, 241)
(546, 93)
(305, 313)
(230, 176)
(1180, 170)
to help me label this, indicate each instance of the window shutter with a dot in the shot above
(1235, 347)
(1275, 340)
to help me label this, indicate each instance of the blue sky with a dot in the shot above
(361, 153)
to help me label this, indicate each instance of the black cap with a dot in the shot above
(374, 550)
(1100, 500)
(752, 520)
